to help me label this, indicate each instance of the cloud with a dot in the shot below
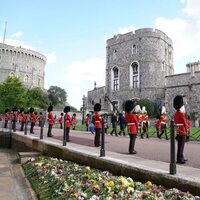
(122, 30)
(79, 77)
(17, 35)
(191, 8)
(51, 58)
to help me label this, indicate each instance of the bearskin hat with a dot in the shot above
(163, 111)
(97, 107)
(129, 106)
(61, 114)
(40, 113)
(14, 109)
(88, 115)
(137, 109)
(31, 110)
(21, 110)
(67, 109)
(6, 110)
(74, 114)
(178, 102)
(50, 108)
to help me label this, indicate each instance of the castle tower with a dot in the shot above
(26, 64)
(136, 65)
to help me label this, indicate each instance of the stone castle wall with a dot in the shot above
(26, 64)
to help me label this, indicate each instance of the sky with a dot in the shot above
(72, 34)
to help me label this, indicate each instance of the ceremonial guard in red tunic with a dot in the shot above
(6, 118)
(163, 123)
(40, 119)
(22, 118)
(180, 121)
(139, 118)
(14, 118)
(33, 119)
(74, 121)
(97, 121)
(87, 120)
(68, 122)
(132, 125)
(145, 122)
(61, 120)
(51, 121)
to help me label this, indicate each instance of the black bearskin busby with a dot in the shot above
(21, 110)
(31, 110)
(6, 110)
(50, 108)
(14, 109)
(97, 107)
(129, 106)
(40, 113)
(88, 115)
(67, 109)
(61, 114)
(178, 102)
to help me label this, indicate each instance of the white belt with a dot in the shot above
(97, 121)
(179, 124)
(163, 123)
(129, 124)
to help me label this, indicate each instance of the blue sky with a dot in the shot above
(73, 33)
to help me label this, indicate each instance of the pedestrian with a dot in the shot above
(114, 124)
(74, 121)
(51, 121)
(22, 118)
(87, 120)
(163, 123)
(68, 122)
(33, 119)
(40, 119)
(97, 121)
(61, 120)
(139, 118)
(182, 127)
(145, 122)
(122, 123)
(6, 118)
(132, 125)
(14, 118)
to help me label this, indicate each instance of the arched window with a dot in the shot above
(134, 49)
(134, 75)
(115, 79)
(39, 82)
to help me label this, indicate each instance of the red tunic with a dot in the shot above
(40, 118)
(98, 120)
(163, 119)
(22, 117)
(33, 117)
(7, 117)
(181, 123)
(51, 119)
(68, 120)
(87, 120)
(132, 123)
(61, 119)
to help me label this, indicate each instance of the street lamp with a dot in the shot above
(83, 109)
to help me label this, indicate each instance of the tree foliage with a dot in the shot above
(12, 93)
(57, 95)
(150, 107)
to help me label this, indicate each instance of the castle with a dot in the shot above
(26, 64)
(140, 65)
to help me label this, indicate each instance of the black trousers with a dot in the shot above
(163, 130)
(22, 126)
(61, 126)
(32, 126)
(86, 127)
(122, 127)
(6, 124)
(181, 143)
(14, 125)
(132, 142)
(97, 137)
(114, 129)
(49, 134)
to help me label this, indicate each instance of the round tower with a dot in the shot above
(26, 64)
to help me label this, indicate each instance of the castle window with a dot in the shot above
(115, 78)
(115, 54)
(26, 79)
(12, 74)
(163, 65)
(134, 75)
(134, 49)
(100, 100)
(92, 102)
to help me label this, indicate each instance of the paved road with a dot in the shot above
(153, 148)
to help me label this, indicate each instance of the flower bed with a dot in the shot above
(56, 179)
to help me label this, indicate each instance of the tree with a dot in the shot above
(150, 107)
(12, 93)
(57, 95)
(36, 97)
